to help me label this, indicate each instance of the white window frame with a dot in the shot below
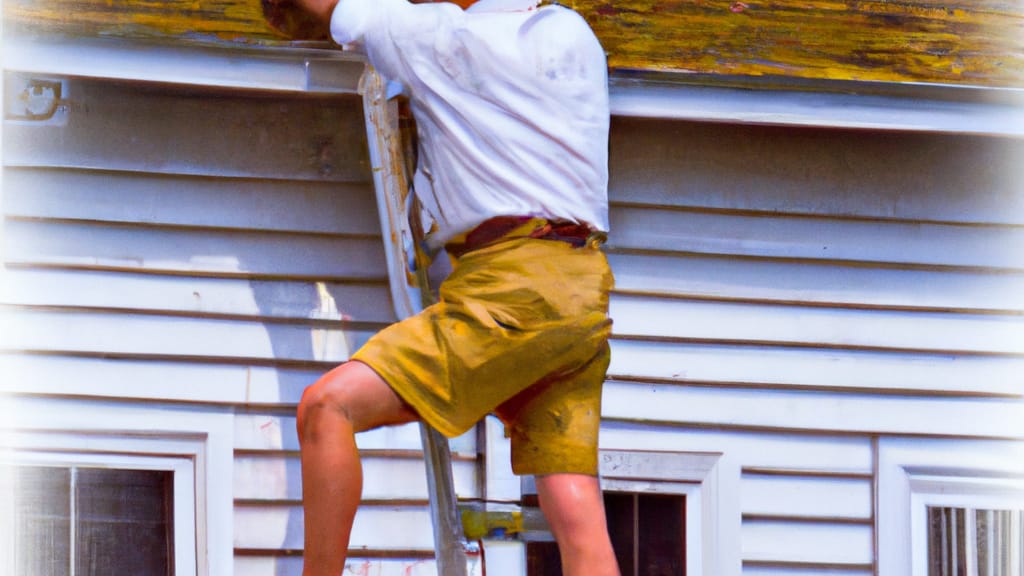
(957, 473)
(955, 488)
(708, 480)
(694, 475)
(183, 481)
(195, 446)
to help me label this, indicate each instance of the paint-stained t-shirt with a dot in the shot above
(510, 102)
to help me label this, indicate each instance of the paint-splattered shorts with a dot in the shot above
(521, 330)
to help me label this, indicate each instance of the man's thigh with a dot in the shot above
(554, 424)
(359, 393)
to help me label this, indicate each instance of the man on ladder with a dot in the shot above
(511, 105)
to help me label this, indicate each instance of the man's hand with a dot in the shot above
(300, 19)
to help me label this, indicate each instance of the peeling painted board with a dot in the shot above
(278, 477)
(811, 454)
(932, 177)
(815, 282)
(780, 367)
(644, 317)
(238, 203)
(208, 20)
(780, 541)
(821, 238)
(921, 41)
(806, 497)
(912, 42)
(271, 565)
(207, 252)
(304, 300)
(376, 527)
(813, 411)
(169, 130)
(94, 333)
(274, 432)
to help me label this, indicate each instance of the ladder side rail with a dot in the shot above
(408, 293)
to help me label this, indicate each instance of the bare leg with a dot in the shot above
(349, 399)
(574, 508)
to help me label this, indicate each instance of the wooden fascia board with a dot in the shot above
(966, 43)
(977, 43)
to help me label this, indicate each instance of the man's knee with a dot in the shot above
(351, 394)
(324, 398)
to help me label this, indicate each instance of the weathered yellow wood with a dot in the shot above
(978, 43)
(204, 20)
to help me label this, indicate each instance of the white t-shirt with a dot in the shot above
(510, 101)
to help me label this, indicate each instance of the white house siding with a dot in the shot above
(209, 250)
(793, 298)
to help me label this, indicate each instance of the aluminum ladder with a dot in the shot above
(410, 292)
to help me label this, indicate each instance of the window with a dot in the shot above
(950, 507)
(93, 521)
(969, 542)
(664, 514)
(188, 453)
(648, 533)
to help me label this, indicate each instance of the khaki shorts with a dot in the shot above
(521, 331)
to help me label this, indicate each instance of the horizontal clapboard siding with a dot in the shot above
(357, 301)
(819, 282)
(218, 250)
(168, 130)
(783, 296)
(178, 250)
(787, 296)
(325, 207)
(262, 565)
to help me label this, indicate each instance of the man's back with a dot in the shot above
(511, 107)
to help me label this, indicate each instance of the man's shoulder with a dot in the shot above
(555, 29)
(556, 23)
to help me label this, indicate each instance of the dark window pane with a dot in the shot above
(937, 540)
(662, 535)
(124, 522)
(648, 533)
(620, 508)
(42, 512)
(994, 539)
(542, 559)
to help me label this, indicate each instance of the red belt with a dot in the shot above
(503, 227)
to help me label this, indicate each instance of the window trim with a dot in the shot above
(698, 477)
(914, 474)
(195, 445)
(181, 467)
(954, 488)
(709, 480)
